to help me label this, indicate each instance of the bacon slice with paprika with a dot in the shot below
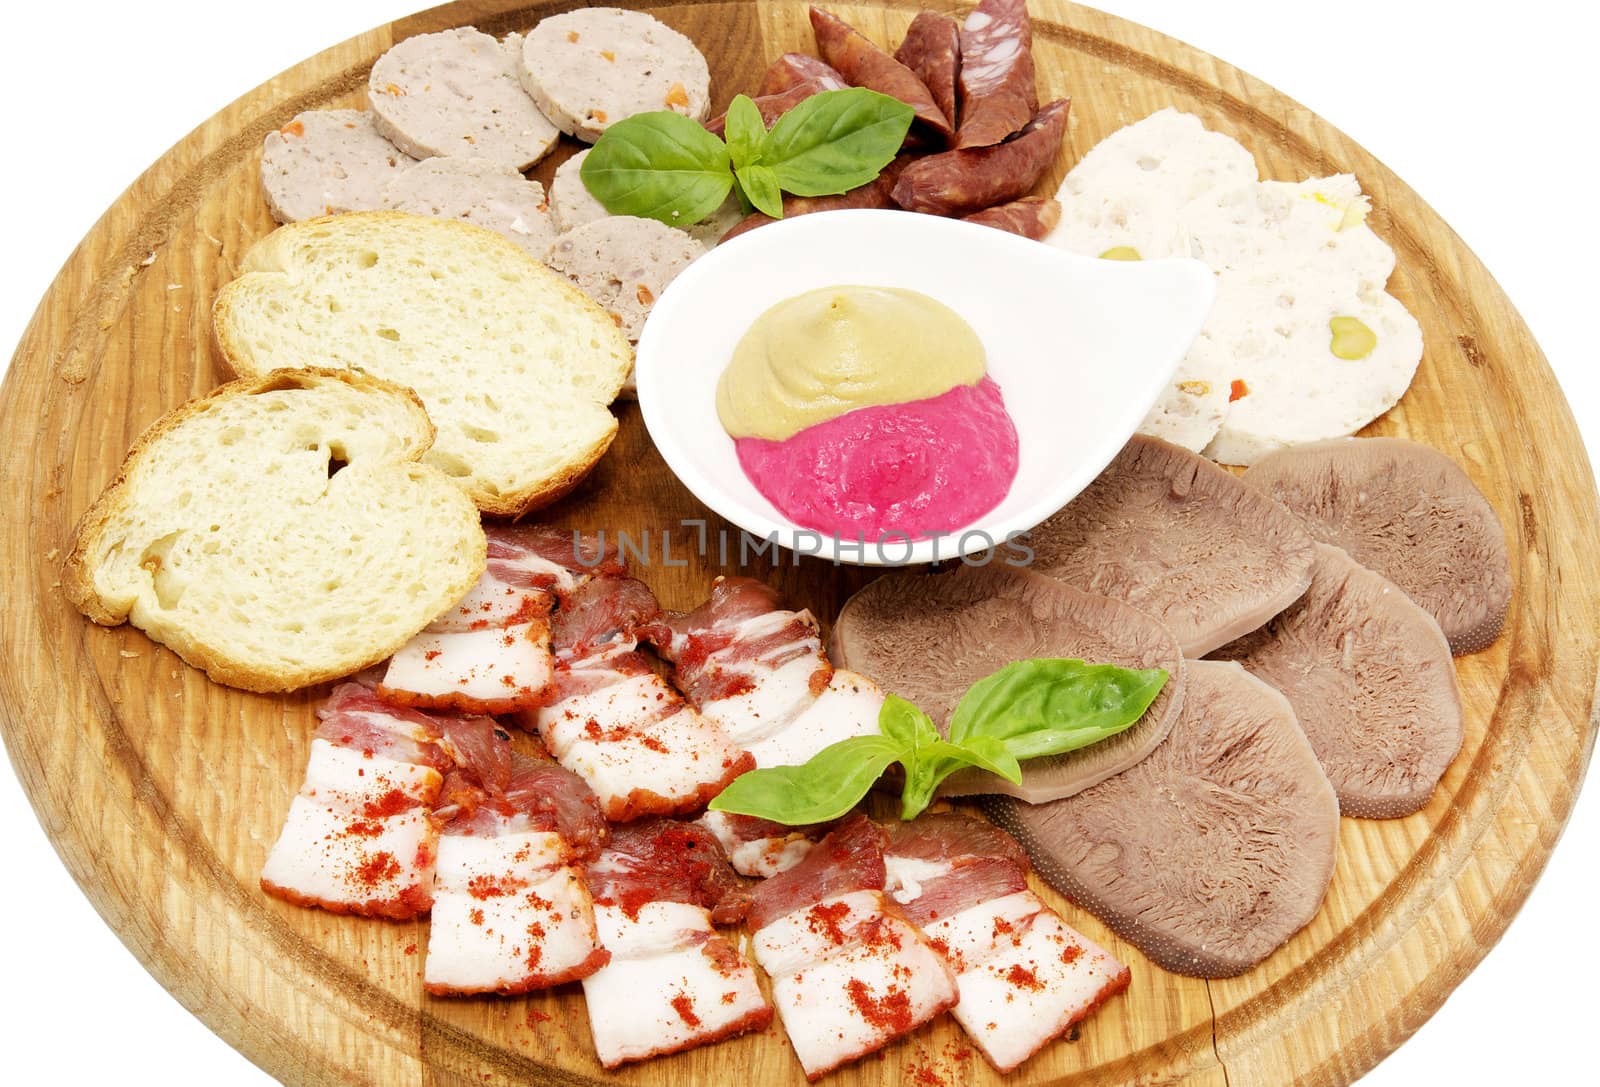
(359, 837)
(619, 725)
(511, 913)
(998, 94)
(1024, 976)
(760, 847)
(931, 49)
(758, 670)
(849, 972)
(490, 652)
(865, 65)
(673, 982)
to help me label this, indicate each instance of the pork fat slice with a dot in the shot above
(758, 670)
(673, 982)
(1023, 974)
(849, 972)
(759, 847)
(490, 652)
(617, 724)
(359, 837)
(510, 911)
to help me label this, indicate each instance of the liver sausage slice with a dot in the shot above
(457, 93)
(928, 637)
(1371, 680)
(1210, 853)
(325, 162)
(1181, 539)
(1408, 512)
(590, 68)
(479, 191)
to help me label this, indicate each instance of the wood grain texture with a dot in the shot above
(163, 792)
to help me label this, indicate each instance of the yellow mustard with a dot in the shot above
(828, 351)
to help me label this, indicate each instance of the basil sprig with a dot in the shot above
(1026, 710)
(664, 166)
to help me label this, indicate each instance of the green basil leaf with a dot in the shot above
(835, 141)
(761, 187)
(940, 759)
(821, 790)
(1051, 706)
(906, 725)
(988, 753)
(914, 731)
(661, 166)
(744, 131)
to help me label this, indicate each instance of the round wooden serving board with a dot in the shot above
(163, 791)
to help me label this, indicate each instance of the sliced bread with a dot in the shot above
(515, 365)
(279, 532)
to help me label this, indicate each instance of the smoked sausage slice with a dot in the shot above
(794, 69)
(1032, 216)
(998, 96)
(964, 181)
(932, 50)
(790, 80)
(865, 65)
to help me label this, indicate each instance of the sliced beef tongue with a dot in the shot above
(928, 637)
(673, 981)
(1210, 853)
(1371, 680)
(1024, 976)
(1409, 513)
(1180, 539)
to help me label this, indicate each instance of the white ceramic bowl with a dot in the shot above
(1080, 348)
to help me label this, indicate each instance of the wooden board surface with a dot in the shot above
(163, 792)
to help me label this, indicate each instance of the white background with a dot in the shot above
(1487, 111)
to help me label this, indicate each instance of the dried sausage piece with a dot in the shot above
(964, 181)
(1032, 216)
(793, 69)
(932, 50)
(865, 65)
(790, 80)
(998, 96)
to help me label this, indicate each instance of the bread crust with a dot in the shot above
(514, 504)
(77, 579)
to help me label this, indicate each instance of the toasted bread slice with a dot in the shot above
(279, 532)
(513, 363)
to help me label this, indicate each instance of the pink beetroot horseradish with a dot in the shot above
(930, 466)
(866, 412)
